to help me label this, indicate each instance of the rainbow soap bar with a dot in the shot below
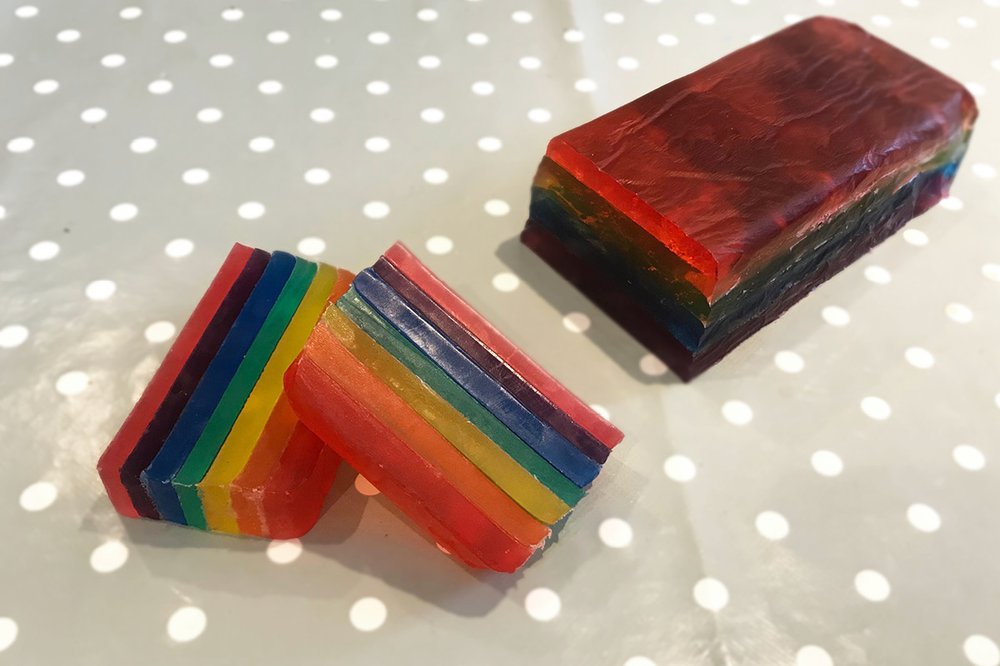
(213, 443)
(699, 212)
(471, 439)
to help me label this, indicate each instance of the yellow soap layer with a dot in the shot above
(481, 451)
(214, 488)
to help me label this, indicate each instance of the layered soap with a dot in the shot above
(699, 212)
(213, 442)
(469, 437)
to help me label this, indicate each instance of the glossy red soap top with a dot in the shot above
(771, 138)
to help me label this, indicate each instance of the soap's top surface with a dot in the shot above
(767, 139)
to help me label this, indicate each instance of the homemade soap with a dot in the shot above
(414, 390)
(213, 434)
(701, 211)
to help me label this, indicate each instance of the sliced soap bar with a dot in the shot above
(715, 202)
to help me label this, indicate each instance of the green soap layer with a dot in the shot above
(228, 409)
(427, 370)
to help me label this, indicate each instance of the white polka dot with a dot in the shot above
(429, 62)
(21, 144)
(872, 585)
(576, 322)
(179, 248)
(991, 271)
(439, 245)
(789, 361)
(427, 15)
(38, 496)
(967, 22)
(652, 366)
(837, 316)
(981, 651)
(100, 290)
(483, 88)
(364, 486)
(232, 14)
(326, 61)
(160, 87)
(221, 60)
(368, 614)
(923, 518)
(379, 38)
(251, 210)
(6, 59)
(109, 556)
(529, 63)
(680, 468)
(940, 42)
(43, 250)
(585, 85)
(311, 246)
(573, 36)
(8, 632)
(477, 39)
(704, 18)
(984, 171)
(737, 412)
(813, 655)
(919, 357)
(951, 203)
(916, 237)
(792, 18)
(878, 275)
(615, 533)
(284, 551)
(210, 115)
(489, 144)
(827, 463)
(3, 213)
(539, 115)
(881, 20)
(143, 144)
(601, 411)
(71, 178)
(278, 37)
(521, 16)
(910, 3)
(506, 282)
(174, 36)
(614, 18)
(377, 144)
(160, 331)
(186, 624)
(375, 210)
(711, 594)
(771, 525)
(270, 87)
(123, 212)
(968, 457)
(496, 207)
(26, 11)
(639, 660)
(93, 115)
(322, 115)
(317, 176)
(432, 115)
(330, 14)
(958, 313)
(435, 176)
(876, 408)
(542, 604)
(261, 144)
(195, 176)
(378, 87)
(666, 39)
(68, 36)
(113, 60)
(13, 335)
(130, 13)
(628, 63)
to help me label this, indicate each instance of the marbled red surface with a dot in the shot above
(766, 142)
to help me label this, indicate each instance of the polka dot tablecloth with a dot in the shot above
(826, 495)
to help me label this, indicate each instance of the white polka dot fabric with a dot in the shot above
(825, 496)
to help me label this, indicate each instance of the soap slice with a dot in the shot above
(483, 356)
(408, 264)
(166, 375)
(565, 457)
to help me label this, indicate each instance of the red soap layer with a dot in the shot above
(142, 413)
(408, 264)
(769, 140)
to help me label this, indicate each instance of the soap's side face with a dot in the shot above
(767, 139)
